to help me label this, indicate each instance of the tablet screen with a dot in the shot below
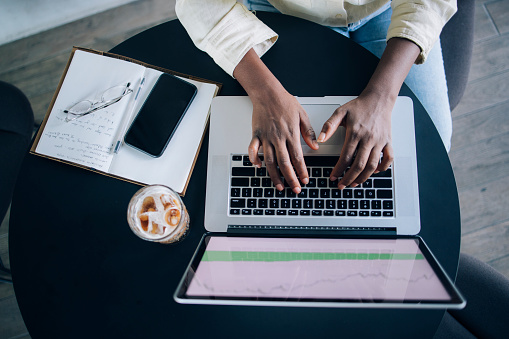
(316, 270)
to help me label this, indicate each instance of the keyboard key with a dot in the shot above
(351, 213)
(358, 194)
(237, 157)
(387, 204)
(240, 203)
(293, 212)
(327, 171)
(364, 213)
(340, 213)
(280, 194)
(325, 193)
(376, 213)
(342, 205)
(347, 193)
(388, 214)
(304, 212)
(297, 203)
(246, 192)
(368, 183)
(268, 192)
(365, 204)
(376, 204)
(281, 212)
(322, 182)
(319, 203)
(333, 184)
(335, 193)
(316, 213)
(255, 182)
(270, 212)
(385, 174)
(382, 183)
(311, 183)
(243, 171)
(353, 204)
(246, 212)
(328, 213)
(316, 172)
(384, 194)
(246, 161)
(257, 192)
(321, 160)
(290, 193)
(330, 204)
(235, 211)
(313, 193)
(263, 203)
(370, 194)
(266, 182)
(261, 172)
(285, 203)
(241, 182)
(235, 192)
(274, 203)
(303, 193)
(258, 212)
(251, 203)
(308, 203)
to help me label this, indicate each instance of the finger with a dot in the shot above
(286, 168)
(252, 151)
(297, 158)
(357, 166)
(270, 163)
(369, 169)
(331, 125)
(345, 159)
(387, 159)
(307, 131)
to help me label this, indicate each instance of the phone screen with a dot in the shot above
(160, 115)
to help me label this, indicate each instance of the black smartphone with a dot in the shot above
(160, 115)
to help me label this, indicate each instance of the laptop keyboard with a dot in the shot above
(252, 192)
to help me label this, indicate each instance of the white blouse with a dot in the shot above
(227, 30)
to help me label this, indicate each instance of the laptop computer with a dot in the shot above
(322, 248)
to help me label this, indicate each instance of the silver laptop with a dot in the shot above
(323, 248)
(240, 197)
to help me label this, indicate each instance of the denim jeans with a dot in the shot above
(427, 81)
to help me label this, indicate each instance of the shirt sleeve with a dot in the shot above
(420, 21)
(224, 29)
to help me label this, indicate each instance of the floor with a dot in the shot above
(479, 154)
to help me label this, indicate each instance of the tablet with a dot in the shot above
(316, 272)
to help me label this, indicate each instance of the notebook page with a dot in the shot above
(88, 140)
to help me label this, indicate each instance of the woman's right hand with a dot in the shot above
(277, 124)
(278, 121)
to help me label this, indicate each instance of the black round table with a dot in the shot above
(79, 271)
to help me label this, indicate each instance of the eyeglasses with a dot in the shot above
(109, 97)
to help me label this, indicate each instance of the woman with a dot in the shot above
(402, 33)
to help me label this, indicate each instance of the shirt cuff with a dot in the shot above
(419, 24)
(237, 32)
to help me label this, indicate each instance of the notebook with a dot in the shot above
(322, 248)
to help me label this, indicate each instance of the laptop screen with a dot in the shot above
(316, 271)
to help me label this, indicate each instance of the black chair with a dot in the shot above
(16, 128)
(457, 40)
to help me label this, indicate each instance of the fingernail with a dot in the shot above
(354, 184)
(321, 137)
(341, 186)
(296, 190)
(279, 187)
(333, 178)
(305, 181)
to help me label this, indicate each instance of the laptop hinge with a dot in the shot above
(312, 230)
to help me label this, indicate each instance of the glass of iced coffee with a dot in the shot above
(156, 213)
